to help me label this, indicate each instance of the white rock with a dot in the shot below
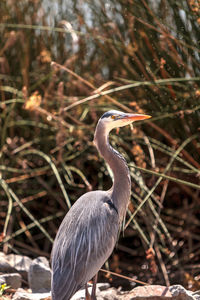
(5, 267)
(152, 292)
(196, 295)
(109, 294)
(80, 295)
(23, 295)
(39, 275)
(20, 262)
(177, 290)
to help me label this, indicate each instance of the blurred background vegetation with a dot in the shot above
(133, 55)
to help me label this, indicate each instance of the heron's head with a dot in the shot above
(113, 119)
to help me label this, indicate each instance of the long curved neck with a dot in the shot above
(121, 189)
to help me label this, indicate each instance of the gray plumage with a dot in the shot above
(88, 233)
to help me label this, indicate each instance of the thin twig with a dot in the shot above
(124, 277)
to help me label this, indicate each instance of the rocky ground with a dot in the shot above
(17, 271)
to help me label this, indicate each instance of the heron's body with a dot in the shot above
(89, 231)
(90, 245)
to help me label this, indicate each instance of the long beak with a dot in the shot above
(135, 117)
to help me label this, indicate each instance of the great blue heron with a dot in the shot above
(88, 233)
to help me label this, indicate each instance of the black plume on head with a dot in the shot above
(111, 113)
(107, 115)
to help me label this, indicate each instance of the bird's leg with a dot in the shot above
(93, 295)
(87, 294)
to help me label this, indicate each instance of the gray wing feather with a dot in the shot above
(83, 243)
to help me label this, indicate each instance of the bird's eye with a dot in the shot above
(113, 117)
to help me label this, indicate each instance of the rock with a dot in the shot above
(5, 267)
(158, 292)
(109, 294)
(151, 292)
(196, 295)
(39, 275)
(20, 262)
(23, 295)
(14, 280)
(104, 292)
(181, 293)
